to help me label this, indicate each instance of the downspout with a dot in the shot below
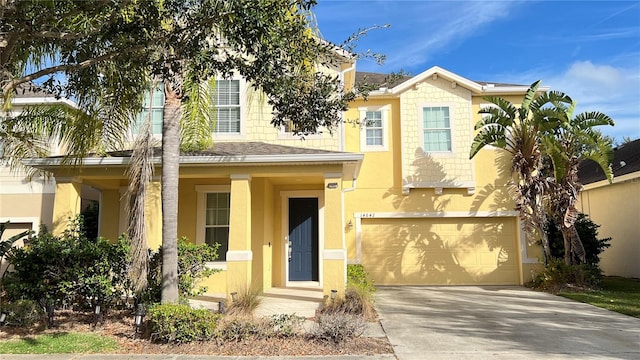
(342, 127)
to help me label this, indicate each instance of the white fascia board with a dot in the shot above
(616, 180)
(464, 82)
(43, 100)
(207, 160)
(498, 90)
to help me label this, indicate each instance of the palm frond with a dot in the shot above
(591, 119)
(197, 117)
(489, 135)
(530, 95)
(140, 173)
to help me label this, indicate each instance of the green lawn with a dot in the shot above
(617, 294)
(59, 344)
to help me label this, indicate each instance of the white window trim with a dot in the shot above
(201, 204)
(243, 111)
(452, 121)
(384, 112)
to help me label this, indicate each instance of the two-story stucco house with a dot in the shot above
(392, 188)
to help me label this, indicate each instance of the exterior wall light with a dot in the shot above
(333, 185)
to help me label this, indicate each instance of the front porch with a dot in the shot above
(299, 301)
(278, 218)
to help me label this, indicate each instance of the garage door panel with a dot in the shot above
(457, 251)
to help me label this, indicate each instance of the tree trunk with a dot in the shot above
(170, 174)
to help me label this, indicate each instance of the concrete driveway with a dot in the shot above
(471, 322)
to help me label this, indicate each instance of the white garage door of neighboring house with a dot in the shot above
(435, 251)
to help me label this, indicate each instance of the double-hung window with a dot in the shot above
(226, 107)
(217, 222)
(212, 222)
(374, 129)
(152, 112)
(436, 127)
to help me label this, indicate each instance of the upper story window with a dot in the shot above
(436, 127)
(226, 104)
(152, 111)
(374, 129)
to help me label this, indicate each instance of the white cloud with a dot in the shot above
(609, 89)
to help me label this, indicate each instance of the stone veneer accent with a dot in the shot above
(452, 169)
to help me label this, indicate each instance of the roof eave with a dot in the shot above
(191, 160)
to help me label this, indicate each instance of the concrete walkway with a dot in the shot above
(465, 322)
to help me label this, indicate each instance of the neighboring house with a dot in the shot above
(28, 203)
(392, 188)
(616, 208)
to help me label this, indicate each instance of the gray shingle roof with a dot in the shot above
(627, 154)
(241, 149)
(387, 80)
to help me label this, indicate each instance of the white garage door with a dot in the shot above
(435, 251)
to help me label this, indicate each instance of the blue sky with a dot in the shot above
(588, 49)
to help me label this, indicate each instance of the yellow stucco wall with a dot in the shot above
(379, 191)
(603, 205)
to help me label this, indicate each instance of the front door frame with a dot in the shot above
(284, 229)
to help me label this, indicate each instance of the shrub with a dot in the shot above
(23, 313)
(286, 325)
(177, 323)
(358, 298)
(357, 277)
(337, 327)
(69, 270)
(588, 232)
(238, 328)
(558, 275)
(192, 260)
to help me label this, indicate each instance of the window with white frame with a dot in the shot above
(436, 127)
(217, 222)
(226, 107)
(212, 222)
(374, 132)
(152, 111)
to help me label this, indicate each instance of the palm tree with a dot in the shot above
(517, 131)
(572, 141)
(543, 137)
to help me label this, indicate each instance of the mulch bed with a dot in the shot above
(119, 326)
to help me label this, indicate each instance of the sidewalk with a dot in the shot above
(182, 357)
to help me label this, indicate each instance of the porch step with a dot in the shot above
(300, 301)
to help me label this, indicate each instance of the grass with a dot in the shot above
(60, 343)
(617, 294)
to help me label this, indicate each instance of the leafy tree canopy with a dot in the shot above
(97, 52)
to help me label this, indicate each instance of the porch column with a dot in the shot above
(66, 203)
(239, 256)
(110, 214)
(153, 214)
(334, 253)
